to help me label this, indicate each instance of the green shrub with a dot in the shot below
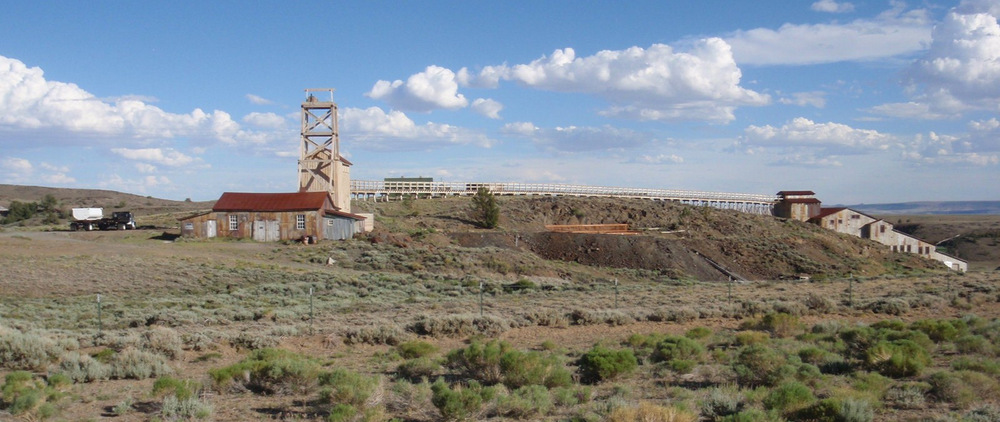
(571, 396)
(459, 325)
(650, 412)
(415, 369)
(973, 344)
(347, 387)
(892, 306)
(182, 389)
(83, 368)
(521, 369)
(780, 324)
(30, 352)
(986, 366)
(789, 397)
(375, 335)
(173, 408)
(749, 415)
(682, 366)
(698, 333)
(526, 402)
(813, 355)
(24, 394)
(857, 341)
(941, 330)
(480, 361)
(270, 371)
(900, 358)
(983, 413)
(757, 365)
(747, 338)
(342, 413)
(253, 341)
(415, 349)
(949, 387)
(721, 402)
(133, 363)
(164, 341)
(907, 395)
(601, 364)
(674, 347)
(456, 404)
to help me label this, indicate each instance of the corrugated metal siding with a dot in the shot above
(196, 226)
(340, 228)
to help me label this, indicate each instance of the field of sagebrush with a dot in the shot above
(411, 325)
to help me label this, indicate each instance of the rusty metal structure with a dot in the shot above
(321, 168)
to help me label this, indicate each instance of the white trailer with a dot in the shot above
(93, 218)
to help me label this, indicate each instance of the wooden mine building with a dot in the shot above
(804, 206)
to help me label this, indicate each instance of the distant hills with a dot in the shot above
(931, 207)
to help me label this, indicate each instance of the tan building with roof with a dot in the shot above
(804, 206)
(269, 217)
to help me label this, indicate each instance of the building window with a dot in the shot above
(908, 248)
(881, 228)
(300, 222)
(234, 223)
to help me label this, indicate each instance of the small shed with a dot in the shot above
(269, 217)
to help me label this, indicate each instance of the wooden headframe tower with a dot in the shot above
(321, 168)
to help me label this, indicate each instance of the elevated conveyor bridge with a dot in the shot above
(390, 190)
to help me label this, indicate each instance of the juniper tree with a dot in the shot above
(485, 209)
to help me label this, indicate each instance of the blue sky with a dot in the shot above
(861, 101)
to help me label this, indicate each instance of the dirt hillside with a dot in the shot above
(675, 239)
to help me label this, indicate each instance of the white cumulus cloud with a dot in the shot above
(832, 6)
(265, 120)
(894, 33)
(32, 104)
(434, 88)
(164, 156)
(660, 159)
(803, 132)
(16, 170)
(373, 128)
(487, 107)
(258, 100)
(701, 82)
(519, 128)
(580, 139)
(812, 99)
(961, 70)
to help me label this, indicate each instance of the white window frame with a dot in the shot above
(234, 222)
(300, 222)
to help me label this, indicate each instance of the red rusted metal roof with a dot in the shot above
(823, 212)
(344, 160)
(796, 192)
(298, 201)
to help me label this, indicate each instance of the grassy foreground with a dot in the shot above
(370, 331)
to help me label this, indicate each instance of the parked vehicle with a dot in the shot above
(93, 219)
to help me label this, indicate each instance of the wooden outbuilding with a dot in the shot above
(268, 217)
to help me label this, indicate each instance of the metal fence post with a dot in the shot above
(480, 299)
(311, 331)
